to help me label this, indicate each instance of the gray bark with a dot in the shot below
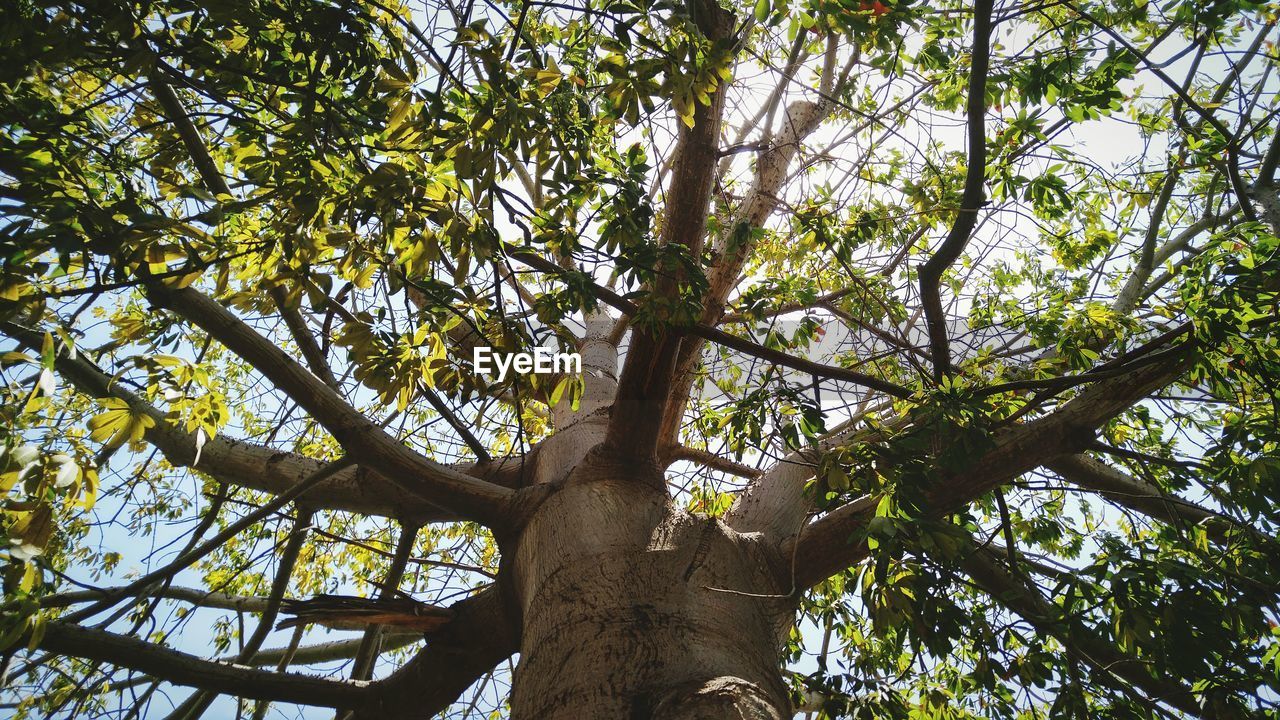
(632, 608)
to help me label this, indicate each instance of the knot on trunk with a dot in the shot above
(718, 698)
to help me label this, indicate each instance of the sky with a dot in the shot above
(1111, 141)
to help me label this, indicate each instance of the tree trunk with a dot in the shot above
(633, 608)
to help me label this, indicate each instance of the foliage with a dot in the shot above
(373, 172)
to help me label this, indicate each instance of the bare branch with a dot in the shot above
(183, 669)
(971, 201)
(329, 651)
(190, 557)
(479, 637)
(199, 702)
(711, 460)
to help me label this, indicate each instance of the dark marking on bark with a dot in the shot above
(644, 613)
(641, 707)
(704, 547)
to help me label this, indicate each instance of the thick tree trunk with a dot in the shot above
(632, 608)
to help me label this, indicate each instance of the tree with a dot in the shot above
(928, 357)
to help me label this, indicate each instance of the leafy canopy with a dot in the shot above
(358, 181)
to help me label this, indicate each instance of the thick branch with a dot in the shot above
(441, 486)
(772, 170)
(644, 385)
(970, 202)
(256, 467)
(775, 503)
(1143, 497)
(176, 114)
(1080, 641)
(183, 669)
(480, 636)
(1132, 292)
(827, 545)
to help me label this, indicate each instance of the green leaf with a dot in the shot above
(762, 10)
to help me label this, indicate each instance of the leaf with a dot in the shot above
(558, 391)
(89, 489)
(46, 383)
(31, 533)
(117, 424)
(38, 624)
(14, 357)
(201, 437)
(68, 472)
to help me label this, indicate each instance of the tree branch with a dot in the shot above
(711, 460)
(371, 643)
(184, 669)
(1081, 642)
(744, 346)
(306, 341)
(480, 636)
(972, 200)
(196, 705)
(195, 596)
(1143, 497)
(190, 557)
(329, 651)
(244, 464)
(441, 486)
(644, 384)
(775, 503)
(785, 308)
(176, 114)
(1232, 145)
(826, 545)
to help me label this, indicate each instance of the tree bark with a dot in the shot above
(632, 608)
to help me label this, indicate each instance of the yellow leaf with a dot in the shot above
(31, 533)
(12, 289)
(89, 490)
(118, 424)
